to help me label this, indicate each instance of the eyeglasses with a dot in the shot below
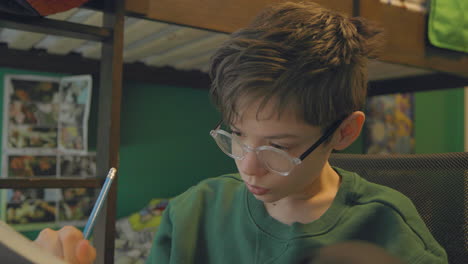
(274, 159)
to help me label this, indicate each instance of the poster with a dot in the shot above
(46, 122)
(76, 204)
(30, 114)
(31, 206)
(390, 124)
(31, 166)
(78, 166)
(30, 209)
(75, 101)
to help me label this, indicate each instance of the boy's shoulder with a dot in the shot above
(212, 190)
(394, 208)
(366, 195)
(220, 183)
(367, 192)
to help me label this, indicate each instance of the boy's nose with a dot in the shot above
(251, 165)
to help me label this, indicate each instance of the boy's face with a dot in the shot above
(289, 133)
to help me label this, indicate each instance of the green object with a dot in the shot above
(448, 24)
(219, 221)
(440, 121)
(149, 217)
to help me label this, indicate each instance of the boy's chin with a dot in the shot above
(267, 198)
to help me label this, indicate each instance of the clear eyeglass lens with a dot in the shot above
(275, 161)
(229, 146)
(237, 149)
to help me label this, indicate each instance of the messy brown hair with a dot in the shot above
(300, 55)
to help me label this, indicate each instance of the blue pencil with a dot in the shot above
(99, 202)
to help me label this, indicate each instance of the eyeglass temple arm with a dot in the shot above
(324, 137)
(218, 124)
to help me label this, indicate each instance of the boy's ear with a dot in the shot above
(349, 130)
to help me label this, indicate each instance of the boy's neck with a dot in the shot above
(306, 210)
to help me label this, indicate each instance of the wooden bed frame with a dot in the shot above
(405, 30)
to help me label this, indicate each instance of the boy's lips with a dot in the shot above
(257, 190)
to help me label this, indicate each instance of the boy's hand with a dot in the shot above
(68, 244)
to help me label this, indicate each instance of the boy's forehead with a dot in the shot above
(268, 125)
(261, 111)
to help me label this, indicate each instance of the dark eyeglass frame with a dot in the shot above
(328, 132)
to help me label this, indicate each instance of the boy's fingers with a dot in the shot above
(49, 240)
(85, 253)
(69, 237)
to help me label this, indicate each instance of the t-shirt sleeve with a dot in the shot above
(161, 248)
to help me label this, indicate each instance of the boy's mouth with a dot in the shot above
(257, 190)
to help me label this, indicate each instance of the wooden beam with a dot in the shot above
(137, 7)
(108, 132)
(406, 39)
(223, 16)
(406, 31)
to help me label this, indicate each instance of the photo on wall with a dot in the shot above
(76, 204)
(72, 114)
(71, 138)
(31, 206)
(27, 89)
(31, 109)
(82, 166)
(75, 94)
(389, 126)
(34, 114)
(46, 124)
(46, 115)
(32, 138)
(32, 166)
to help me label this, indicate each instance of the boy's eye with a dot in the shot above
(236, 133)
(278, 146)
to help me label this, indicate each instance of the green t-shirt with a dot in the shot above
(220, 221)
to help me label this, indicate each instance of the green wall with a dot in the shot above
(165, 143)
(439, 124)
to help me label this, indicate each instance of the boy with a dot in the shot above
(290, 88)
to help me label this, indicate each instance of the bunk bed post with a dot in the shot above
(108, 134)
